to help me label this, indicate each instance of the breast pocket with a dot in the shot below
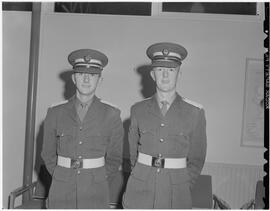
(180, 140)
(146, 135)
(97, 140)
(64, 140)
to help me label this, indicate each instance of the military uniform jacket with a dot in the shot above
(100, 134)
(181, 133)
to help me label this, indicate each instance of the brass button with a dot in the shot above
(80, 142)
(158, 170)
(162, 124)
(161, 140)
(78, 172)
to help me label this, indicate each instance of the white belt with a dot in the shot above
(160, 162)
(80, 163)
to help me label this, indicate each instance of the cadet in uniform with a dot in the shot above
(167, 139)
(80, 137)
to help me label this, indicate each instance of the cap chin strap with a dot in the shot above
(166, 63)
(81, 60)
(88, 65)
(87, 70)
(167, 59)
(170, 54)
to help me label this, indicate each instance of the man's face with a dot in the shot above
(86, 83)
(165, 78)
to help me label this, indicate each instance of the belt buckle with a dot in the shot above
(158, 161)
(76, 163)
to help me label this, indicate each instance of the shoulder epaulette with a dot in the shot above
(198, 105)
(108, 103)
(142, 101)
(59, 103)
(146, 99)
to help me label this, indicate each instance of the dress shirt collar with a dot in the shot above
(79, 104)
(169, 99)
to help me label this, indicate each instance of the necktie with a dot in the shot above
(164, 107)
(82, 111)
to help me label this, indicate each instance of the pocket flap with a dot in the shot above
(179, 134)
(98, 133)
(63, 132)
(61, 174)
(179, 176)
(141, 172)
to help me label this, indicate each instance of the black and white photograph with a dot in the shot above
(135, 105)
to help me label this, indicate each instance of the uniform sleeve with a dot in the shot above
(114, 156)
(197, 153)
(133, 137)
(48, 152)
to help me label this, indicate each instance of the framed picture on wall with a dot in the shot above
(253, 109)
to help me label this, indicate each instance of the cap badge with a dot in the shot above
(165, 52)
(87, 58)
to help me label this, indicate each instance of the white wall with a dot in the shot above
(213, 73)
(16, 45)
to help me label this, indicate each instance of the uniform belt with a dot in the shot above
(160, 162)
(80, 163)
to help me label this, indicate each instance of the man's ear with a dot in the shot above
(179, 72)
(153, 75)
(73, 77)
(100, 79)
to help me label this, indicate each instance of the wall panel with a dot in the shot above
(16, 46)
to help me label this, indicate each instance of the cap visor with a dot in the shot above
(165, 64)
(93, 70)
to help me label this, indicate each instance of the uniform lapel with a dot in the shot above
(71, 110)
(176, 105)
(153, 107)
(93, 111)
(177, 112)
